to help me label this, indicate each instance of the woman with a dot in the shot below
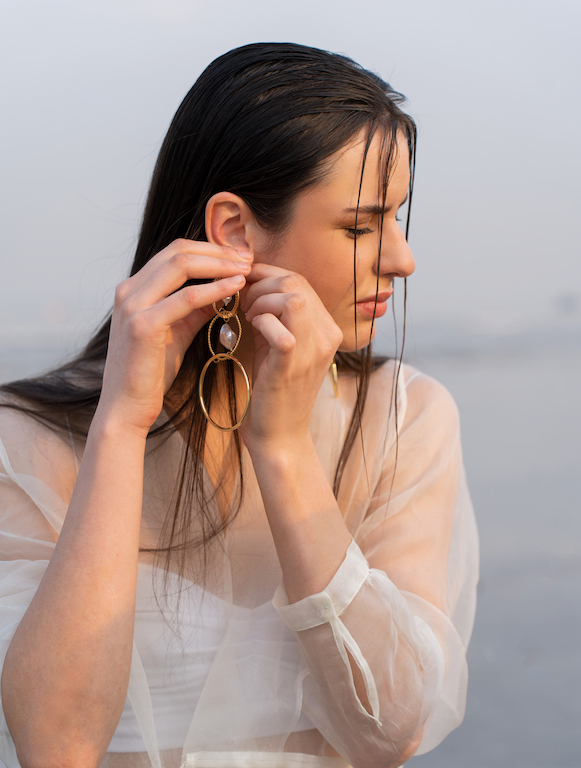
(298, 591)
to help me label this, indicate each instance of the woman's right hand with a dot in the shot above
(65, 676)
(155, 320)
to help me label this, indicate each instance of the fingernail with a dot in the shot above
(244, 254)
(243, 264)
(238, 279)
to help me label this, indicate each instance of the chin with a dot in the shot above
(365, 336)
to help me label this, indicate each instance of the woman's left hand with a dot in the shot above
(295, 339)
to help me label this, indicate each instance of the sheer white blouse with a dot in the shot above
(225, 672)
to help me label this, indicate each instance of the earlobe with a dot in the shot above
(229, 221)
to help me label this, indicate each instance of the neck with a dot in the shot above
(245, 351)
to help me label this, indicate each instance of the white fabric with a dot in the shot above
(260, 760)
(233, 675)
(177, 667)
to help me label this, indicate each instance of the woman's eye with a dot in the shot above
(358, 232)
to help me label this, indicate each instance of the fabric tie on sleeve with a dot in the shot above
(326, 608)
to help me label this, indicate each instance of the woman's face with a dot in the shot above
(319, 242)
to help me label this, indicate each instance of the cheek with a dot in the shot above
(312, 256)
(330, 266)
(337, 294)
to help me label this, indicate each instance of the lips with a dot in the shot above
(374, 306)
(380, 297)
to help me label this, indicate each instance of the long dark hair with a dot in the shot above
(260, 122)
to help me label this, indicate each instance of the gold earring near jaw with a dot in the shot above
(335, 377)
(230, 340)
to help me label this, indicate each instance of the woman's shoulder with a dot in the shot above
(17, 428)
(426, 393)
(31, 449)
(418, 395)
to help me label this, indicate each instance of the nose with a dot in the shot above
(396, 259)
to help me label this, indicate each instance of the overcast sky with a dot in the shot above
(89, 88)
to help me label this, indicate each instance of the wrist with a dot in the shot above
(107, 425)
(288, 468)
(281, 452)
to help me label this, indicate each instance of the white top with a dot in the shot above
(231, 675)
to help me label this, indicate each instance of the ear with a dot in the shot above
(229, 221)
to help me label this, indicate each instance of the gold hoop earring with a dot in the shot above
(230, 340)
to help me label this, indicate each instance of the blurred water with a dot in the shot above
(521, 427)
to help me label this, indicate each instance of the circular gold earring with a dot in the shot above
(230, 340)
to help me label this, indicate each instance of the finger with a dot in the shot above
(286, 306)
(191, 298)
(287, 282)
(260, 271)
(172, 274)
(278, 336)
(303, 321)
(191, 247)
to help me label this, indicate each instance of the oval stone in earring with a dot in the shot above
(227, 337)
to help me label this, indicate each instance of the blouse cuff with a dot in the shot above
(326, 606)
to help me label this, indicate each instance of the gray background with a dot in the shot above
(88, 90)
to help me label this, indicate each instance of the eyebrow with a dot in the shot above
(373, 210)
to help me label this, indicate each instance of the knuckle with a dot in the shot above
(192, 295)
(337, 336)
(181, 242)
(138, 326)
(296, 302)
(180, 261)
(121, 292)
(293, 283)
(287, 343)
(129, 308)
(326, 348)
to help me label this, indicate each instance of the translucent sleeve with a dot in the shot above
(31, 513)
(385, 642)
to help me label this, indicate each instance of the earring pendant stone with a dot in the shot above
(227, 337)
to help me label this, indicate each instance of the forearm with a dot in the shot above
(309, 532)
(65, 675)
(355, 653)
